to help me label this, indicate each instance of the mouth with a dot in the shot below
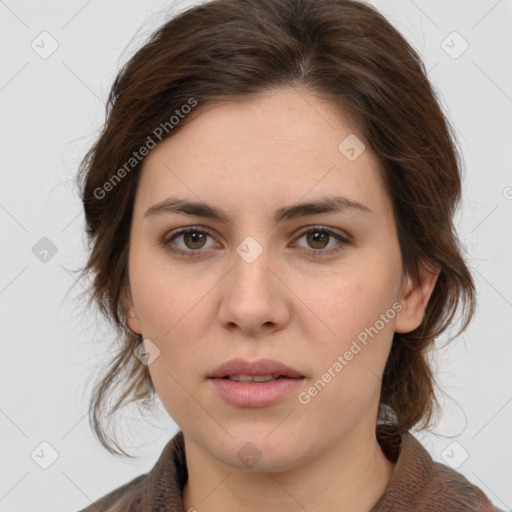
(260, 371)
(254, 384)
(257, 378)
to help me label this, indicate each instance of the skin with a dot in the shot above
(249, 158)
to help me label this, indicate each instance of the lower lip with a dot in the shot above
(255, 394)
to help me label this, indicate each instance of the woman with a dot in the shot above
(270, 207)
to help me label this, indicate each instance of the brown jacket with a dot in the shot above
(418, 484)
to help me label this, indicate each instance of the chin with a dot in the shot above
(254, 450)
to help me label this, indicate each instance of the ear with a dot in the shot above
(415, 298)
(128, 310)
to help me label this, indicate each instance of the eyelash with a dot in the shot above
(166, 243)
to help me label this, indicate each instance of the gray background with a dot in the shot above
(51, 111)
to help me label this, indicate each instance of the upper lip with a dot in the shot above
(259, 367)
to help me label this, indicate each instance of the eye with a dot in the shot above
(319, 237)
(193, 238)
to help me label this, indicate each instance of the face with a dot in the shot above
(319, 289)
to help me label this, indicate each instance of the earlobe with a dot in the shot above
(415, 297)
(128, 312)
(132, 322)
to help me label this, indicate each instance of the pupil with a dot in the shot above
(195, 237)
(317, 237)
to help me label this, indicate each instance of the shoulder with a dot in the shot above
(452, 490)
(420, 484)
(162, 484)
(440, 486)
(125, 498)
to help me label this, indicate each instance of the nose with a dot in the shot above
(254, 299)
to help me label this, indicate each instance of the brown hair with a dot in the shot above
(228, 49)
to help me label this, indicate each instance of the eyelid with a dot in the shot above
(344, 239)
(333, 231)
(342, 236)
(175, 233)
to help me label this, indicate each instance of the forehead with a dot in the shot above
(276, 147)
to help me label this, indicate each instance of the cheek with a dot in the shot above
(349, 362)
(352, 302)
(165, 296)
(166, 313)
(354, 335)
(175, 373)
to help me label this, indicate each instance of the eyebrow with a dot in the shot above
(330, 204)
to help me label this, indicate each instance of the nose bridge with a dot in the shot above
(251, 263)
(252, 298)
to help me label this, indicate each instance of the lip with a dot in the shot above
(255, 394)
(259, 367)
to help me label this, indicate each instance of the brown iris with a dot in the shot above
(195, 238)
(315, 237)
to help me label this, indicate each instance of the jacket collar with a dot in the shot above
(417, 482)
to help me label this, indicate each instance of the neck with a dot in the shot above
(350, 476)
